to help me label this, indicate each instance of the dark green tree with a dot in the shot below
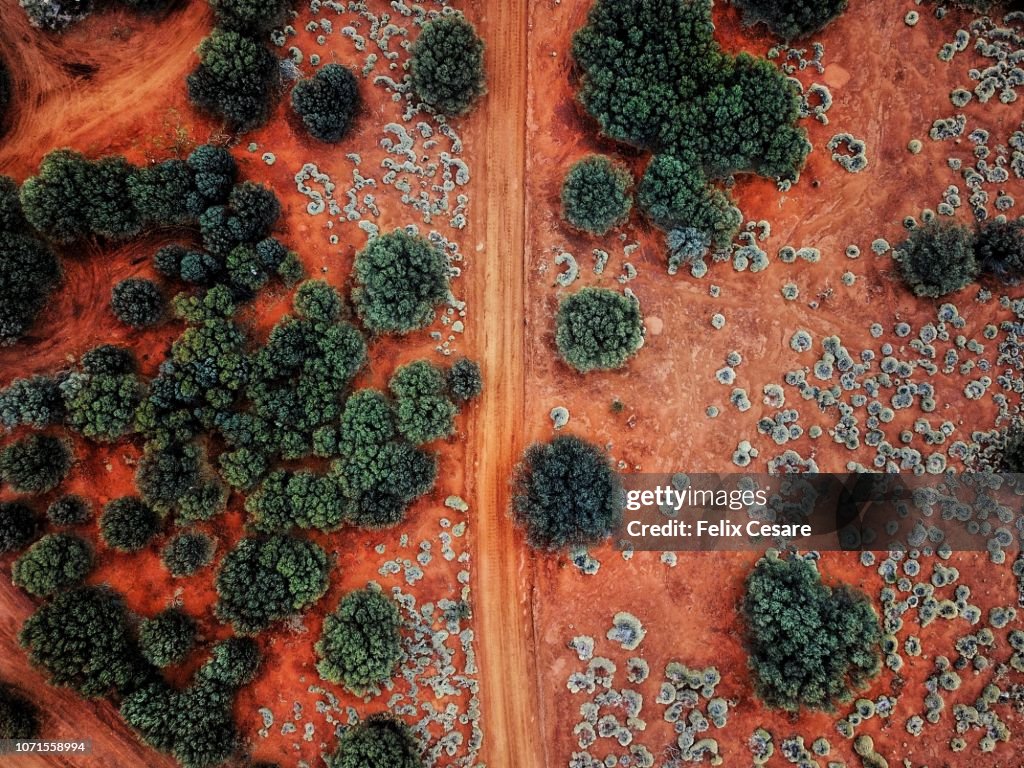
(19, 718)
(138, 302)
(999, 249)
(937, 259)
(29, 271)
(128, 524)
(595, 195)
(447, 65)
(598, 329)
(425, 413)
(55, 562)
(34, 402)
(265, 580)
(810, 645)
(328, 102)
(18, 524)
(35, 464)
(101, 406)
(318, 301)
(233, 663)
(465, 382)
(360, 645)
(12, 219)
(791, 19)
(109, 359)
(166, 475)
(303, 498)
(164, 194)
(70, 510)
(367, 421)
(167, 638)
(379, 741)
(235, 79)
(400, 280)
(214, 172)
(380, 481)
(255, 17)
(83, 641)
(186, 553)
(566, 494)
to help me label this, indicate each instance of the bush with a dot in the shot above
(328, 102)
(214, 171)
(465, 382)
(18, 525)
(167, 638)
(265, 580)
(360, 645)
(791, 19)
(29, 271)
(566, 494)
(233, 663)
(235, 79)
(35, 464)
(19, 718)
(166, 475)
(999, 249)
(254, 17)
(137, 302)
(109, 359)
(318, 301)
(83, 641)
(598, 329)
(55, 562)
(937, 259)
(400, 279)
(424, 411)
(186, 553)
(128, 524)
(70, 510)
(447, 65)
(379, 741)
(809, 645)
(595, 195)
(101, 406)
(34, 402)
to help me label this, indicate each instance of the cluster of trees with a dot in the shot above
(328, 102)
(447, 65)
(379, 741)
(942, 257)
(653, 77)
(598, 329)
(19, 718)
(101, 399)
(29, 269)
(178, 478)
(238, 76)
(791, 19)
(566, 494)
(595, 195)
(54, 563)
(35, 464)
(810, 645)
(400, 279)
(360, 645)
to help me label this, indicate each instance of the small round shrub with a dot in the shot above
(938, 259)
(328, 102)
(18, 525)
(379, 741)
(360, 644)
(465, 381)
(791, 19)
(447, 65)
(186, 553)
(69, 510)
(167, 638)
(138, 302)
(55, 562)
(19, 718)
(128, 524)
(35, 464)
(598, 329)
(233, 663)
(566, 494)
(595, 195)
(999, 249)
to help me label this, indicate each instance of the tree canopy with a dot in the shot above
(186, 553)
(379, 741)
(137, 302)
(19, 718)
(447, 65)
(101, 406)
(236, 77)
(34, 402)
(55, 562)
(29, 271)
(937, 259)
(425, 413)
(328, 102)
(791, 19)
(810, 645)
(18, 524)
(360, 645)
(566, 494)
(999, 249)
(595, 195)
(167, 638)
(36, 463)
(128, 524)
(70, 510)
(598, 329)
(465, 382)
(250, 16)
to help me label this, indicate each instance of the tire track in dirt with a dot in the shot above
(503, 607)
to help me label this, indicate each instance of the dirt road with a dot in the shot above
(502, 605)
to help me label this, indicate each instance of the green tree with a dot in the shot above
(792, 19)
(109, 359)
(101, 406)
(164, 194)
(367, 421)
(186, 553)
(167, 638)
(235, 79)
(810, 645)
(34, 402)
(379, 741)
(70, 510)
(999, 249)
(424, 411)
(55, 562)
(328, 102)
(400, 280)
(29, 271)
(595, 195)
(128, 524)
(138, 302)
(233, 663)
(360, 645)
(18, 525)
(82, 640)
(12, 219)
(380, 481)
(465, 382)
(214, 172)
(598, 329)
(19, 718)
(254, 17)
(303, 498)
(566, 494)
(35, 464)
(937, 259)
(265, 580)
(447, 65)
